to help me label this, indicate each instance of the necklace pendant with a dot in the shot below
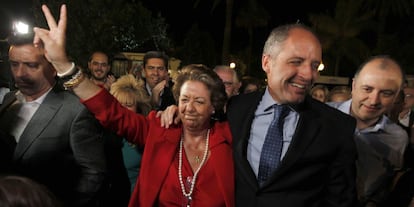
(197, 159)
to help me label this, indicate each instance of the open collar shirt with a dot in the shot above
(25, 112)
(262, 118)
(380, 153)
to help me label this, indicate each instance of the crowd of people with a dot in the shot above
(337, 93)
(81, 137)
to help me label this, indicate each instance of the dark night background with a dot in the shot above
(181, 16)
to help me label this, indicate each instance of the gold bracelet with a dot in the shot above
(74, 81)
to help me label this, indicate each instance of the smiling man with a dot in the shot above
(100, 69)
(157, 82)
(380, 142)
(317, 159)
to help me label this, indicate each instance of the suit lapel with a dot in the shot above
(240, 148)
(40, 120)
(240, 142)
(8, 141)
(305, 133)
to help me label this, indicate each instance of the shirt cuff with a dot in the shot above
(69, 72)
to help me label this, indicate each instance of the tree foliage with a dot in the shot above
(340, 34)
(111, 26)
(198, 47)
(350, 32)
(250, 17)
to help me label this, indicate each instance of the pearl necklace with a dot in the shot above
(180, 163)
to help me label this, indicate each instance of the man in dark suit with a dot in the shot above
(157, 82)
(317, 163)
(55, 140)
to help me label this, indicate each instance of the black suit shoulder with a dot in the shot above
(322, 145)
(243, 103)
(167, 98)
(342, 124)
(327, 111)
(70, 101)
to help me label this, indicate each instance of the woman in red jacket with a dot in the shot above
(190, 164)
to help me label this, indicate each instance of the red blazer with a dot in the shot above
(161, 146)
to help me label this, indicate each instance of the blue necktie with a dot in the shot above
(272, 146)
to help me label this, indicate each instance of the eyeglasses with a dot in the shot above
(160, 68)
(94, 63)
(227, 83)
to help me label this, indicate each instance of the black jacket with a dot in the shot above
(318, 168)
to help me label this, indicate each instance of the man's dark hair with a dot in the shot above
(20, 39)
(102, 52)
(156, 54)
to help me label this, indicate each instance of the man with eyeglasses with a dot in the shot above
(99, 69)
(157, 81)
(229, 78)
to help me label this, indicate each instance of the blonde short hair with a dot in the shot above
(127, 89)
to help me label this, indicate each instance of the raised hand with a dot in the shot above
(54, 40)
(156, 92)
(109, 80)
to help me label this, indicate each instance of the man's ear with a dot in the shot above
(265, 63)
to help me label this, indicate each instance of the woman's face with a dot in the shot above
(194, 105)
(132, 107)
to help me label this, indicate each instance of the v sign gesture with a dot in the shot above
(54, 39)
